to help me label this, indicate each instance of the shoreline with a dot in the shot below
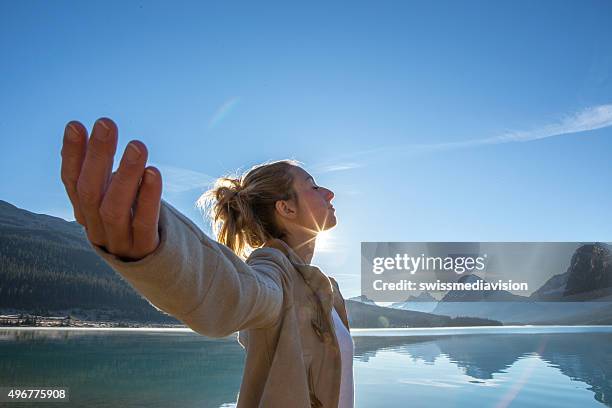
(79, 328)
(67, 322)
(355, 332)
(36, 322)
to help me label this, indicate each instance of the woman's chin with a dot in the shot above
(330, 222)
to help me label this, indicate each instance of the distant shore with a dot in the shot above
(36, 321)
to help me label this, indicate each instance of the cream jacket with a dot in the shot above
(280, 307)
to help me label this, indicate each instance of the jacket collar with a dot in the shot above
(286, 249)
(313, 276)
(322, 285)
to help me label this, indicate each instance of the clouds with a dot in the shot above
(596, 117)
(591, 118)
(328, 168)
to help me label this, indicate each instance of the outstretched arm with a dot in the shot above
(201, 282)
(160, 252)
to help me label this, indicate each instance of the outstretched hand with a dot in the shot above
(119, 210)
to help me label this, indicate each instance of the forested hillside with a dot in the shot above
(47, 265)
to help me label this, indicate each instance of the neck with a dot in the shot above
(303, 245)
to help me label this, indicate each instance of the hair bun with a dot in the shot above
(241, 209)
(235, 189)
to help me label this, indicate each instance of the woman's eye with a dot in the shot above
(316, 187)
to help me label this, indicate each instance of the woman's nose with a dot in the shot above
(329, 195)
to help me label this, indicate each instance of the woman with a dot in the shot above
(257, 280)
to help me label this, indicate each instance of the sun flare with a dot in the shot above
(325, 241)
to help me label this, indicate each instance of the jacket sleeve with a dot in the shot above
(202, 282)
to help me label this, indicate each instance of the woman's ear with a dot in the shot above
(286, 209)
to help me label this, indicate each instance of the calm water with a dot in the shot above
(484, 367)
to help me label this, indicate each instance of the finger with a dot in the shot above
(91, 185)
(109, 180)
(116, 207)
(73, 153)
(146, 213)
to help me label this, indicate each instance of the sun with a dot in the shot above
(325, 241)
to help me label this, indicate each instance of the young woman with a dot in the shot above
(257, 279)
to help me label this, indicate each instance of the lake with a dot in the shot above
(449, 367)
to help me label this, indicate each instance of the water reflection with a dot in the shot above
(183, 369)
(583, 357)
(126, 369)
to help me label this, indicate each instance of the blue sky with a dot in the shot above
(431, 121)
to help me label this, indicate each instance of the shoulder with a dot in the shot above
(269, 256)
(336, 286)
(273, 263)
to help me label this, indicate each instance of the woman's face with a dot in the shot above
(315, 210)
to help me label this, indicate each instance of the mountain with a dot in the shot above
(494, 304)
(567, 298)
(363, 299)
(365, 315)
(588, 277)
(528, 312)
(423, 302)
(421, 297)
(47, 266)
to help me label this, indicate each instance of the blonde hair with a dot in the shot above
(242, 208)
